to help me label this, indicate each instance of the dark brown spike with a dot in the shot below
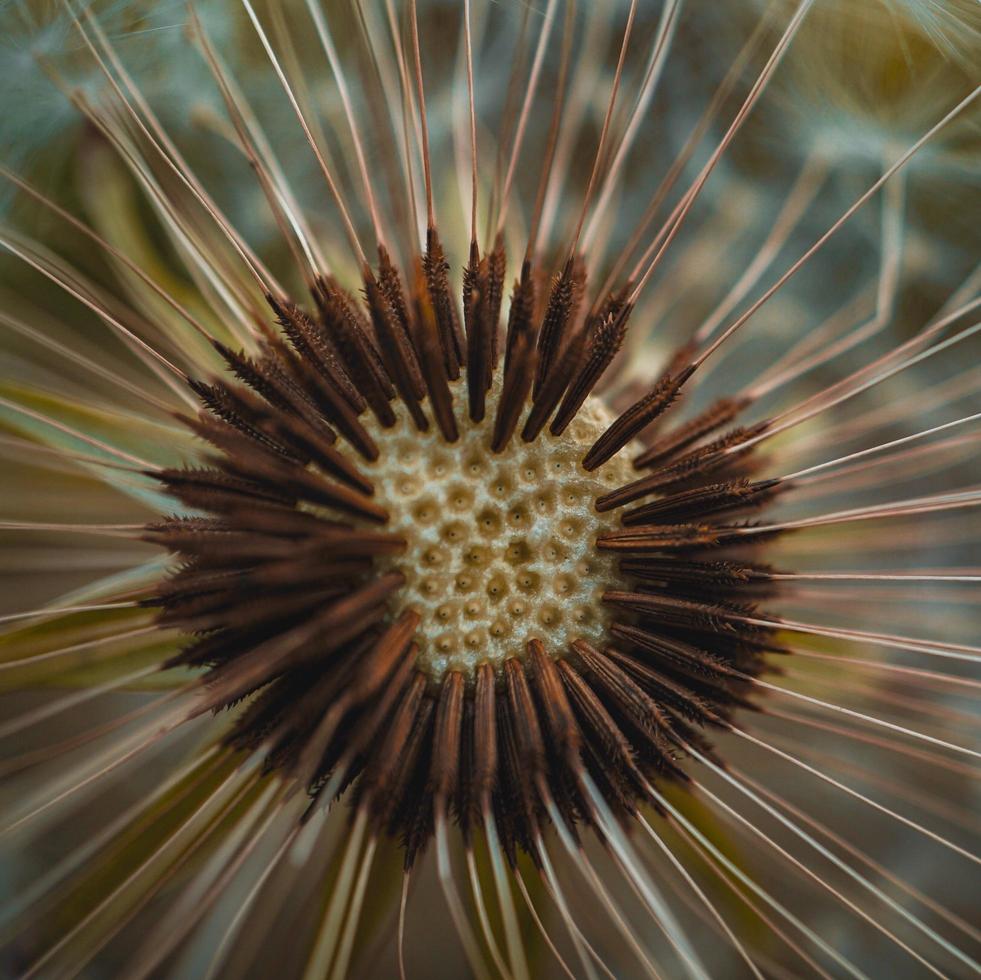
(314, 489)
(274, 429)
(674, 736)
(307, 422)
(672, 694)
(198, 610)
(244, 658)
(629, 699)
(605, 339)
(681, 358)
(288, 573)
(481, 314)
(277, 526)
(553, 385)
(656, 537)
(296, 483)
(396, 350)
(373, 724)
(359, 320)
(329, 460)
(266, 714)
(240, 408)
(314, 347)
(288, 523)
(635, 705)
(377, 785)
(215, 612)
(509, 806)
(559, 313)
(230, 438)
(445, 769)
(484, 775)
(294, 723)
(676, 653)
(724, 574)
(521, 710)
(521, 313)
(189, 583)
(559, 718)
(701, 502)
(496, 271)
(340, 413)
(269, 575)
(465, 804)
(323, 753)
(515, 389)
(350, 615)
(718, 414)
(343, 323)
(632, 422)
(519, 361)
(172, 528)
(478, 343)
(609, 749)
(268, 534)
(414, 818)
(356, 541)
(280, 360)
(721, 618)
(210, 489)
(726, 454)
(433, 361)
(378, 663)
(267, 377)
(222, 549)
(471, 290)
(699, 462)
(246, 458)
(436, 270)
(390, 284)
(521, 756)
(320, 371)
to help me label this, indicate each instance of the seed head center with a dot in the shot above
(500, 547)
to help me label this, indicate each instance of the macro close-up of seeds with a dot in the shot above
(490, 489)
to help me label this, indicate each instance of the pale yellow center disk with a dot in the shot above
(501, 548)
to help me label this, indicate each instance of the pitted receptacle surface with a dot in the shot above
(500, 547)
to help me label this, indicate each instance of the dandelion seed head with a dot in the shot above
(528, 454)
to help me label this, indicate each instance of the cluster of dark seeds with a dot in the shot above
(289, 589)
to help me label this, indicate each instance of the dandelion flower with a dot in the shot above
(491, 491)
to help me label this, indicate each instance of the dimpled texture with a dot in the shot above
(500, 547)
